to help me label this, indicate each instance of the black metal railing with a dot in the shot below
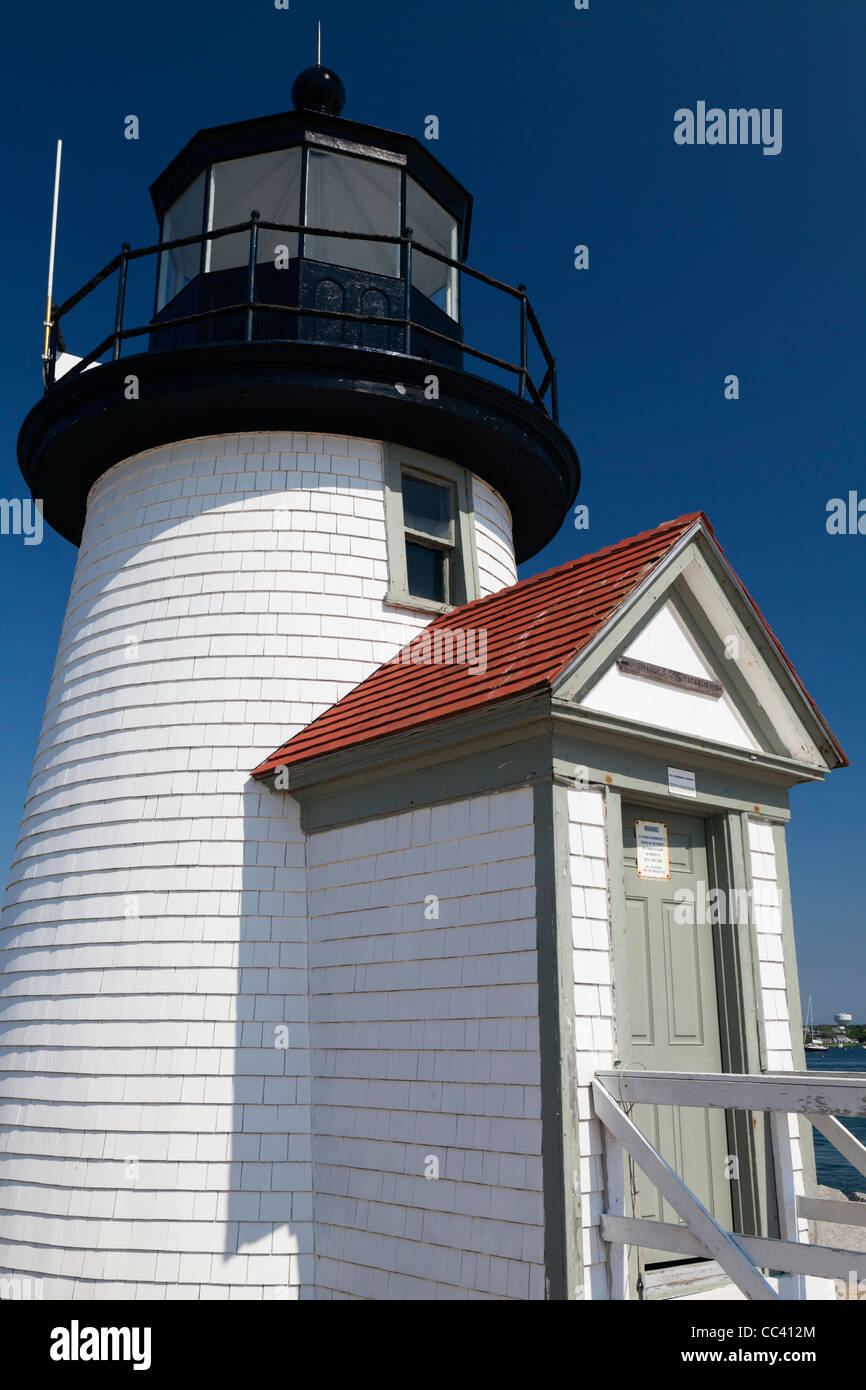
(526, 386)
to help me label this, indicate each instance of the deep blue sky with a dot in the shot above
(703, 261)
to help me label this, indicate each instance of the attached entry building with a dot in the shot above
(546, 839)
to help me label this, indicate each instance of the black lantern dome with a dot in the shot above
(319, 89)
(309, 274)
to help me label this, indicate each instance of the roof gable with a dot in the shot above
(634, 687)
(693, 617)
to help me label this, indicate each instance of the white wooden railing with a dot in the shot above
(817, 1097)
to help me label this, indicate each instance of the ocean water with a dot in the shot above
(833, 1169)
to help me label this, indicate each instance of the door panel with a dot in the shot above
(683, 981)
(674, 1011)
(640, 979)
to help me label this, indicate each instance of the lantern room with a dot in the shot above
(360, 206)
(310, 273)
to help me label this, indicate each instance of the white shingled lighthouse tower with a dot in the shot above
(232, 483)
(323, 1023)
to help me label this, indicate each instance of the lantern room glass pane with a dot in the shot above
(183, 218)
(434, 227)
(353, 195)
(270, 183)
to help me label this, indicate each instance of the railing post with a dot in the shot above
(614, 1182)
(524, 342)
(407, 286)
(791, 1286)
(251, 278)
(121, 299)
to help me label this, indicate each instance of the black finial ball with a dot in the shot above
(319, 89)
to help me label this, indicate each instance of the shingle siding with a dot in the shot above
(778, 1009)
(593, 1011)
(155, 1139)
(425, 1047)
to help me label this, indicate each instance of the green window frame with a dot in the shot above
(452, 539)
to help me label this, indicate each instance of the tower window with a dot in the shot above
(430, 537)
(428, 520)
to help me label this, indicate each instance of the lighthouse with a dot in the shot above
(351, 867)
(273, 483)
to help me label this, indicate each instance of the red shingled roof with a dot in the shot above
(534, 630)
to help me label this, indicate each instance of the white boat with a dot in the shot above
(810, 1042)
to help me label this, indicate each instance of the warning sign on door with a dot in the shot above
(651, 838)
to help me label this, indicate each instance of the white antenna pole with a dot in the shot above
(47, 325)
(320, 44)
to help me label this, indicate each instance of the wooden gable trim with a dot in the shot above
(668, 583)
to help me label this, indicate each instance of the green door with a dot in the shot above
(673, 1003)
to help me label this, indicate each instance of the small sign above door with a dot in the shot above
(653, 858)
(665, 676)
(681, 783)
